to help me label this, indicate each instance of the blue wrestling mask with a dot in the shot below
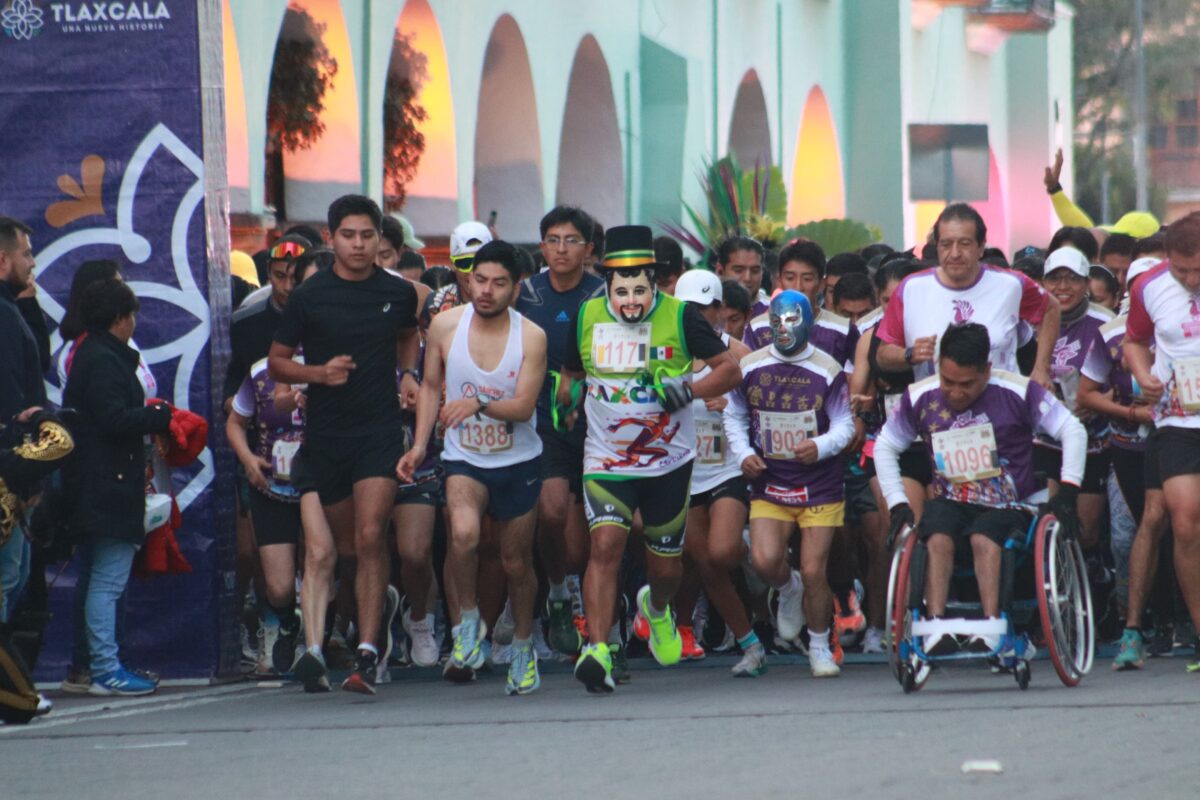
(791, 320)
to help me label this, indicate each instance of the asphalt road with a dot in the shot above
(687, 732)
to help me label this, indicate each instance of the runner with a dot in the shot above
(635, 347)
(551, 299)
(959, 290)
(491, 361)
(1165, 310)
(465, 241)
(740, 258)
(790, 414)
(357, 325)
(976, 424)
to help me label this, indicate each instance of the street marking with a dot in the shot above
(146, 746)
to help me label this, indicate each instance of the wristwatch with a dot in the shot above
(483, 401)
(412, 372)
(908, 356)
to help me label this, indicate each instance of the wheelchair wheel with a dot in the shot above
(897, 599)
(1021, 673)
(1064, 602)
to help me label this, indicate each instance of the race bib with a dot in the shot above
(891, 404)
(620, 348)
(283, 453)
(710, 442)
(485, 436)
(1187, 382)
(966, 454)
(780, 433)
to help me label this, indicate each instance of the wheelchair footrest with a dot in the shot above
(960, 627)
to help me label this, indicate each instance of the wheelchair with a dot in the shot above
(1060, 609)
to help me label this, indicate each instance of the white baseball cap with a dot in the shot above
(1067, 258)
(1140, 267)
(699, 286)
(467, 238)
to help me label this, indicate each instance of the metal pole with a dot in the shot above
(1139, 108)
(366, 141)
(779, 84)
(715, 113)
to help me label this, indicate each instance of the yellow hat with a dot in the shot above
(1138, 224)
(242, 265)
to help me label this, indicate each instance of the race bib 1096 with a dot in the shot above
(966, 454)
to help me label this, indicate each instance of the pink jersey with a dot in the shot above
(1162, 311)
(999, 299)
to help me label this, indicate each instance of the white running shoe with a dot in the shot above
(789, 618)
(505, 626)
(873, 641)
(268, 635)
(753, 663)
(820, 660)
(424, 651)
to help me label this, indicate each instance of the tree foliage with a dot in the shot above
(403, 142)
(1104, 88)
(301, 74)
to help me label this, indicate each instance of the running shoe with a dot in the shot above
(641, 626)
(310, 670)
(283, 651)
(424, 650)
(620, 664)
(540, 645)
(79, 680)
(594, 669)
(468, 654)
(523, 677)
(390, 604)
(120, 683)
(941, 644)
(362, 679)
(665, 643)
(505, 626)
(564, 636)
(789, 618)
(268, 635)
(983, 644)
(1161, 643)
(45, 705)
(835, 647)
(849, 620)
(1132, 654)
(692, 651)
(873, 641)
(822, 662)
(753, 663)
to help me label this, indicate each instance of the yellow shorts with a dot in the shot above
(829, 515)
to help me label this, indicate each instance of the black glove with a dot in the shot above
(675, 396)
(901, 515)
(1064, 507)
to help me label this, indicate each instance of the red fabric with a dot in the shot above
(1034, 299)
(160, 555)
(187, 438)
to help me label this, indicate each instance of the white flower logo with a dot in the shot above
(21, 20)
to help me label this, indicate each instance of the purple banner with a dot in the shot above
(101, 135)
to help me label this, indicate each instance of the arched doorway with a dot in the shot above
(818, 189)
(508, 148)
(590, 168)
(749, 129)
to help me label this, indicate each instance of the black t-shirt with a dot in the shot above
(702, 341)
(250, 337)
(330, 317)
(556, 313)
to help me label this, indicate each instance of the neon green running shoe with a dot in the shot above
(620, 664)
(594, 669)
(523, 676)
(666, 645)
(1132, 654)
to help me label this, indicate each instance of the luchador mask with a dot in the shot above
(791, 320)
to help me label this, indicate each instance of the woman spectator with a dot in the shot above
(107, 480)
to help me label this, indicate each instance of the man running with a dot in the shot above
(976, 424)
(491, 361)
(357, 325)
(635, 347)
(1165, 311)
(787, 423)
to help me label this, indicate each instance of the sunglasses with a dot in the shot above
(287, 251)
(464, 264)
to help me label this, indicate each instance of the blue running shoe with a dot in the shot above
(120, 683)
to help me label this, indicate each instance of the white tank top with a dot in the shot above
(713, 464)
(485, 442)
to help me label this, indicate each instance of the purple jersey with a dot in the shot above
(1066, 364)
(1103, 365)
(830, 332)
(279, 434)
(981, 455)
(783, 400)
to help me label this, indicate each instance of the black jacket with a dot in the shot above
(20, 360)
(106, 480)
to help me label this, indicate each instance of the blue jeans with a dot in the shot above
(111, 562)
(14, 571)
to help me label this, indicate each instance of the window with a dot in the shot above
(1187, 137)
(1185, 110)
(1157, 139)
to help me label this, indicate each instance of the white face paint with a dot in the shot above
(631, 298)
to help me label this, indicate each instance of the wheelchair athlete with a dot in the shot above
(977, 426)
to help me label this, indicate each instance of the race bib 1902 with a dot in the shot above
(966, 454)
(620, 348)
(781, 432)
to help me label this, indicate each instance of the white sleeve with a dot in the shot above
(841, 424)
(889, 444)
(1064, 427)
(736, 421)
